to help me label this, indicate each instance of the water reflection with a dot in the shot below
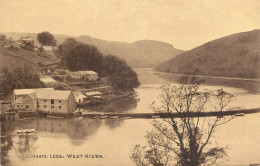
(6, 146)
(80, 128)
(25, 146)
(114, 123)
(122, 105)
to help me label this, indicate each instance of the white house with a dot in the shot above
(48, 49)
(48, 80)
(88, 75)
(80, 97)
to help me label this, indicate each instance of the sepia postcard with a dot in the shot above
(130, 82)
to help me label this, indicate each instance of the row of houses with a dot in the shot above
(44, 99)
(48, 100)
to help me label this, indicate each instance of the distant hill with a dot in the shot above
(144, 53)
(236, 55)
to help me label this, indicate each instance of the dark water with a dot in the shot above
(113, 138)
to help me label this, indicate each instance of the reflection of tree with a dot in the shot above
(113, 123)
(187, 139)
(80, 128)
(122, 105)
(25, 146)
(6, 145)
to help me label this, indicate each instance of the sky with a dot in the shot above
(183, 23)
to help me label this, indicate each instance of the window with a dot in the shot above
(52, 101)
(27, 101)
(44, 106)
(27, 106)
(52, 107)
(17, 105)
(59, 101)
(44, 100)
(59, 107)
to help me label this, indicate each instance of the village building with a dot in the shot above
(95, 95)
(56, 101)
(105, 90)
(48, 50)
(79, 96)
(23, 92)
(28, 41)
(48, 81)
(85, 75)
(27, 103)
(46, 100)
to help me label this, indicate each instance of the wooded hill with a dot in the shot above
(143, 53)
(235, 55)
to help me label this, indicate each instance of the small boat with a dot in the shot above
(113, 117)
(240, 114)
(104, 117)
(155, 117)
(25, 131)
(55, 117)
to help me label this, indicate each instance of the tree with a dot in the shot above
(79, 56)
(185, 139)
(19, 78)
(122, 76)
(2, 37)
(46, 39)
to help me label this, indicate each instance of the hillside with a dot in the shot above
(144, 53)
(19, 58)
(236, 55)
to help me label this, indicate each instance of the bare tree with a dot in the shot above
(186, 140)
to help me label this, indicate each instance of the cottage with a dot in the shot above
(48, 50)
(28, 41)
(27, 103)
(86, 75)
(79, 96)
(95, 95)
(44, 99)
(48, 81)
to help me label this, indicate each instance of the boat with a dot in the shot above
(113, 117)
(104, 117)
(240, 114)
(55, 117)
(155, 117)
(25, 131)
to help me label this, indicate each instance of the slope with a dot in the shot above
(235, 55)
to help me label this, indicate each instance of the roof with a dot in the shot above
(28, 91)
(87, 72)
(47, 48)
(28, 38)
(32, 95)
(93, 93)
(53, 94)
(77, 93)
(47, 79)
(19, 100)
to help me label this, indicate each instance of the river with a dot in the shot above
(112, 139)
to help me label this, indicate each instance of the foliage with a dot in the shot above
(19, 78)
(2, 37)
(187, 139)
(78, 56)
(122, 76)
(46, 39)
